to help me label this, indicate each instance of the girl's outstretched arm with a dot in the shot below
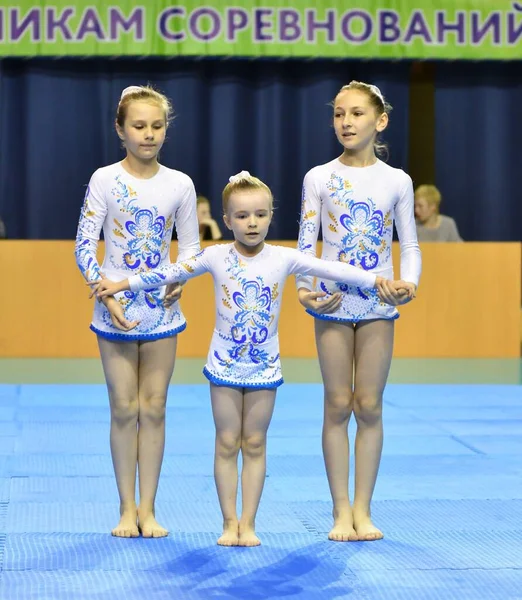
(175, 272)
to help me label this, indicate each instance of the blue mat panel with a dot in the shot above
(449, 397)
(296, 489)
(411, 428)
(5, 489)
(449, 466)
(63, 489)
(71, 465)
(8, 401)
(64, 414)
(496, 444)
(7, 444)
(103, 489)
(46, 517)
(449, 584)
(5, 466)
(9, 428)
(26, 465)
(10, 391)
(500, 486)
(7, 413)
(67, 396)
(417, 446)
(482, 427)
(64, 438)
(489, 413)
(4, 507)
(293, 465)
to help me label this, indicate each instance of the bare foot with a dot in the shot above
(148, 525)
(366, 530)
(247, 536)
(230, 535)
(343, 530)
(127, 527)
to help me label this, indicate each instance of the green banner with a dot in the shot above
(451, 29)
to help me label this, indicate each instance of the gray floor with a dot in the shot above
(404, 370)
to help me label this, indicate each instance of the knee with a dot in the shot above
(338, 406)
(227, 444)
(368, 408)
(254, 446)
(124, 409)
(152, 409)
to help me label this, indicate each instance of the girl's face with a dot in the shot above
(144, 130)
(356, 121)
(248, 215)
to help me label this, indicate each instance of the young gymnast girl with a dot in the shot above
(137, 202)
(243, 364)
(355, 199)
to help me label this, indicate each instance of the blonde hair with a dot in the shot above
(145, 93)
(202, 200)
(380, 105)
(432, 194)
(244, 182)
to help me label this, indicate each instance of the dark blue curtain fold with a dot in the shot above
(269, 117)
(478, 147)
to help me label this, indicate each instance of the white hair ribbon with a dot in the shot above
(239, 177)
(129, 90)
(377, 92)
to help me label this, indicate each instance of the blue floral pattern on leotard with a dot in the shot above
(147, 231)
(249, 325)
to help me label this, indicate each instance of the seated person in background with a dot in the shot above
(431, 225)
(208, 228)
(3, 233)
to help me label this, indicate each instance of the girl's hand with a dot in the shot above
(407, 290)
(105, 287)
(395, 293)
(310, 301)
(172, 294)
(117, 315)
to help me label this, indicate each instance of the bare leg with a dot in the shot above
(335, 347)
(156, 364)
(257, 414)
(373, 354)
(120, 365)
(227, 408)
